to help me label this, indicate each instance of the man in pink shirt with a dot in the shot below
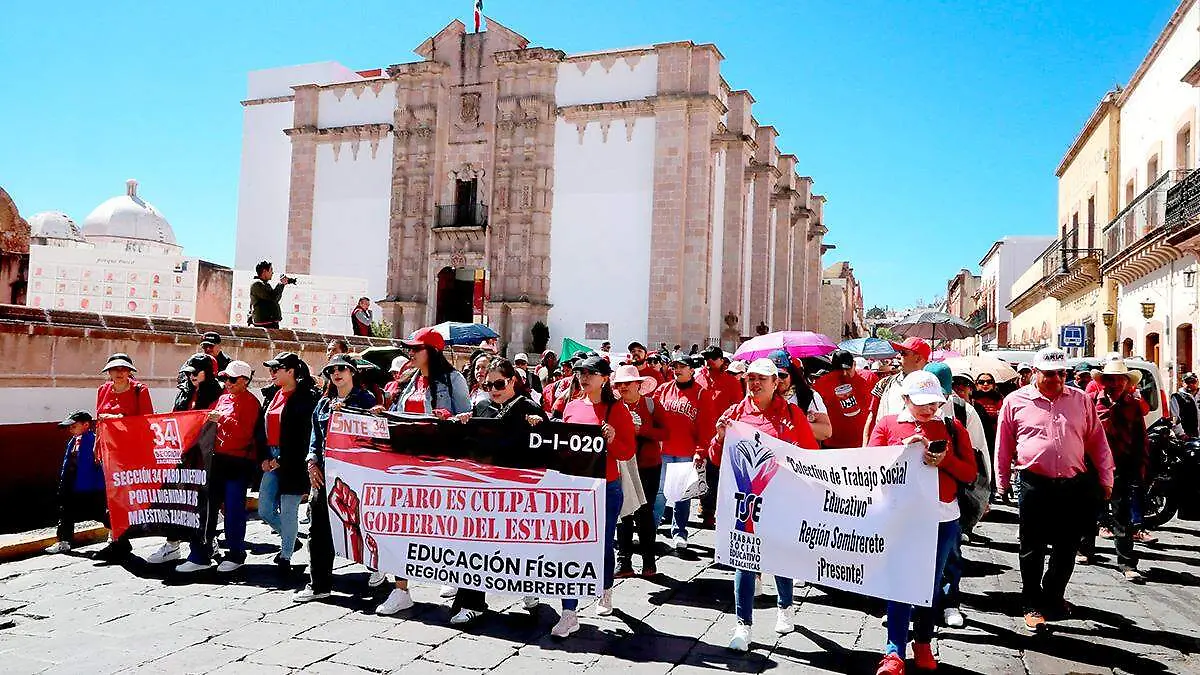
(1058, 444)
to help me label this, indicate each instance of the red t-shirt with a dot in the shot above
(274, 413)
(958, 466)
(133, 401)
(847, 395)
(684, 413)
(235, 429)
(623, 445)
(417, 402)
(651, 431)
(721, 392)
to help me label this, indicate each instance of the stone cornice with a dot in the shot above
(270, 99)
(755, 167)
(415, 69)
(693, 100)
(606, 110)
(336, 136)
(532, 54)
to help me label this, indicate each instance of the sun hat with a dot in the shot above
(398, 364)
(426, 337)
(764, 366)
(118, 360)
(340, 360)
(922, 388)
(1050, 358)
(944, 375)
(1118, 367)
(630, 373)
(738, 367)
(595, 364)
(237, 369)
(914, 344)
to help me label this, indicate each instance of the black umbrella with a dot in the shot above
(932, 325)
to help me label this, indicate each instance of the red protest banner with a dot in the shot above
(156, 473)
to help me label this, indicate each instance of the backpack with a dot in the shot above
(972, 497)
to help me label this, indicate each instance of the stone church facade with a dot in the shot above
(619, 195)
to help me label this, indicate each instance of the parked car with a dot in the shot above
(1151, 387)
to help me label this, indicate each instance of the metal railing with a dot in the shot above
(1142, 216)
(462, 215)
(978, 318)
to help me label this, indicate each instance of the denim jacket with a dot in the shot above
(455, 398)
(357, 398)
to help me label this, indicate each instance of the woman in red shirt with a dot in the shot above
(686, 408)
(651, 431)
(235, 454)
(120, 396)
(947, 447)
(599, 406)
(766, 410)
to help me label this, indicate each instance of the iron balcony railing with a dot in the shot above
(1142, 216)
(978, 319)
(462, 215)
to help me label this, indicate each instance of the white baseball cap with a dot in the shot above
(922, 388)
(238, 369)
(738, 367)
(398, 364)
(1050, 358)
(521, 357)
(763, 366)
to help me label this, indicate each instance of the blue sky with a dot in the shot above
(933, 128)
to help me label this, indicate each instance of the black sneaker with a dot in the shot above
(299, 545)
(113, 552)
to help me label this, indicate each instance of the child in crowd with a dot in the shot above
(81, 482)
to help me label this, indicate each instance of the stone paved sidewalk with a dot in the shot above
(68, 613)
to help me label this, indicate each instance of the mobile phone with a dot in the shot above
(937, 447)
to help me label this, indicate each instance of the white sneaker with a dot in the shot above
(187, 567)
(447, 591)
(741, 638)
(567, 624)
(465, 616)
(953, 618)
(308, 595)
(59, 547)
(376, 579)
(758, 589)
(165, 553)
(228, 566)
(530, 602)
(397, 601)
(680, 543)
(604, 607)
(786, 622)
(307, 517)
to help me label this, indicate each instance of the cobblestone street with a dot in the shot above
(68, 613)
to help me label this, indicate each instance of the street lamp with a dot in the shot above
(1148, 309)
(1109, 318)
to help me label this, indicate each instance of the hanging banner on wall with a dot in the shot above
(483, 505)
(863, 520)
(156, 473)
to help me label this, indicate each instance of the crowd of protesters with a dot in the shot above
(1075, 454)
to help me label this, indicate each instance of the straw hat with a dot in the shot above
(628, 373)
(1118, 367)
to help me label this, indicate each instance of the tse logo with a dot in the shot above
(168, 447)
(749, 506)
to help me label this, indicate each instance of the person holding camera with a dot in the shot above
(947, 446)
(264, 300)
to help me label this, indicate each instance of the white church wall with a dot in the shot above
(272, 82)
(717, 242)
(263, 186)
(600, 230)
(351, 214)
(594, 84)
(345, 106)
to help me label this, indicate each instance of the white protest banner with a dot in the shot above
(465, 521)
(863, 520)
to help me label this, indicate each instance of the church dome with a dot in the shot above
(128, 217)
(54, 225)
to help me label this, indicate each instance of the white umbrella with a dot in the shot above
(974, 366)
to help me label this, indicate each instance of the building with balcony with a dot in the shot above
(614, 195)
(1063, 284)
(1004, 262)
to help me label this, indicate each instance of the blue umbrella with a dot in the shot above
(457, 333)
(869, 348)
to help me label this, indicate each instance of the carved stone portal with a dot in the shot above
(469, 108)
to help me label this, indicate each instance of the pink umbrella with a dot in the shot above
(798, 343)
(943, 354)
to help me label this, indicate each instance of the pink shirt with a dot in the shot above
(1050, 438)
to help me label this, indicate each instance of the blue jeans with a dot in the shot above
(232, 492)
(952, 578)
(614, 498)
(743, 594)
(681, 510)
(279, 511)
(900, 613)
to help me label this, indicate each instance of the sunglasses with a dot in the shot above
(338, 369)
(494, 385)
(783, 374)
(985, 382)
(226, 378)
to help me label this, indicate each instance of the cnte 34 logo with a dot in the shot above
(168, 446)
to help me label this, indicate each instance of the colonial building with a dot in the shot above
(999, 268)
(841, 314)
(962, 298)
(614, 195)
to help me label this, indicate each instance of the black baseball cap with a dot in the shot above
(713, 352)
(841, 359)
(211, 338)
(689, 361)
(635, 345)
(78, 416)
(288, 360)
(595, 364)
(197, 363)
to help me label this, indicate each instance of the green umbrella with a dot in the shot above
(380, 357)
(571, 348)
